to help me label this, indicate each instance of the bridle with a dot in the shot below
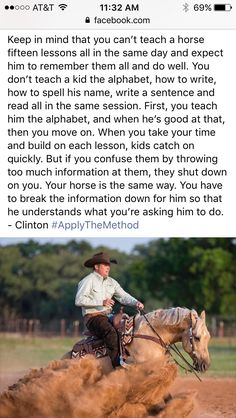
(172, 347)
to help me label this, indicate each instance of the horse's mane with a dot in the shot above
(171, 316)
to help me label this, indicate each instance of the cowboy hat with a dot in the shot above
(99, 258)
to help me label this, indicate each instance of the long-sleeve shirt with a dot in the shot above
(94, 289)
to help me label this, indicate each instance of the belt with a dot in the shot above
(92, 315)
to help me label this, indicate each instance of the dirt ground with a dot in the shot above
(215, 397)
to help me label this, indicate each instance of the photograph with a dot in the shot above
(137, 325)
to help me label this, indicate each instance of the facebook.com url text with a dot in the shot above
(121, 20)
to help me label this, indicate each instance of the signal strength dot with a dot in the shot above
(62, 6)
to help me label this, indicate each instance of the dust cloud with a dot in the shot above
(74, 389)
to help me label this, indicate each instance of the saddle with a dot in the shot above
(123, 323)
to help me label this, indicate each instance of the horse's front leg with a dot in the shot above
(167, 398)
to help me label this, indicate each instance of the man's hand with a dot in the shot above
(140, 306)
(108, 303)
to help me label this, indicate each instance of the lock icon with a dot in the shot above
(87, 20)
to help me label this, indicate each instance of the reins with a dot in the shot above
(169, 347)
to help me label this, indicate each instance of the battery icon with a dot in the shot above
(222, 7)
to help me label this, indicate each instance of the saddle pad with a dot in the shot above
(90, 345)
(127, 335)
(93, 345)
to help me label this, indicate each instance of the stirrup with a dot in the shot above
(124, 364)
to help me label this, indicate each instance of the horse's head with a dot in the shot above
(195, 341)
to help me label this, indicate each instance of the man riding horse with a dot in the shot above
(94, 295)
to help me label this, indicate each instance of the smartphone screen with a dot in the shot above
(117, 135)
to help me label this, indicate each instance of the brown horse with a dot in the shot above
(172, 325)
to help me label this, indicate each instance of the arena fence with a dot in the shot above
(218, 326)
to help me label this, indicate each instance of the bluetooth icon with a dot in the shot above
(186, 7)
